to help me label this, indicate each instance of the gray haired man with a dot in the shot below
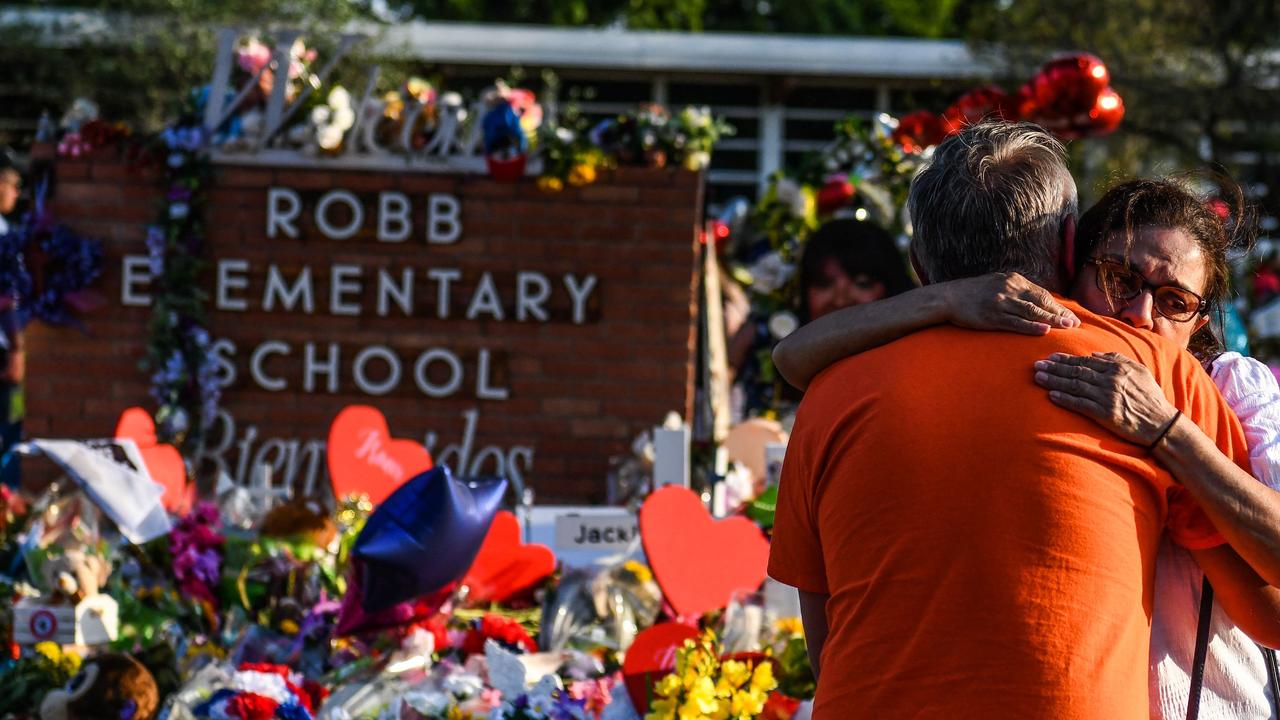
(963, 547)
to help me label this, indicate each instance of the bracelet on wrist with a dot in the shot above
(1176, 414)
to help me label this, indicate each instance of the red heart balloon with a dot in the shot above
(505, 566)
(919, 130)
(1070, 84)
(365, 460)
(699, 562)
(1107, 113)
(163, 461)
(651, 656)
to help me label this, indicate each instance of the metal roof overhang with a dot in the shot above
(680, 52)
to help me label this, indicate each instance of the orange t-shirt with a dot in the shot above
(986, 553)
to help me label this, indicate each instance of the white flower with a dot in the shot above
(265, 684)
(790, 193)
(344, 118)
(463, 685)
(770, 273)
(428, 703)
(329, 137)
(339, 97)
(320, 114)
(697, 161)
(179, 211)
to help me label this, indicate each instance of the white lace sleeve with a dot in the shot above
(1251, 391)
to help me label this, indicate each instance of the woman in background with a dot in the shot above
(845, 263)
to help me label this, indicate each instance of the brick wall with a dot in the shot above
(577, 393)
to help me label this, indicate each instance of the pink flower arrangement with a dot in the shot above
(597, 693)
(196, 547)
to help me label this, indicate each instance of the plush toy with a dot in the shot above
(74, 575)
(111, 685)
(299, 520)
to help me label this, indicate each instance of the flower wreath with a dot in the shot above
(58, 289)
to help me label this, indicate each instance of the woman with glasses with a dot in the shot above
(1153, 255)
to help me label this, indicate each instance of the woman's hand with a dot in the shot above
(1118, 393)
(1005, 301)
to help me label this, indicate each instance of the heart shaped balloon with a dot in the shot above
(163, 461)
(651, 657)
(365, 460)
(698, 561)
(505, 566)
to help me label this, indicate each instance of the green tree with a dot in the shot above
(141, 69)
(1198, 79)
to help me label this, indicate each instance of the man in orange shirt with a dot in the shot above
(963, 547)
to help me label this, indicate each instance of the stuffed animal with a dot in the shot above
(111, 685)
(299, 520)
(74, 575)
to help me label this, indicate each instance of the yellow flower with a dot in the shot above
(639, 569)
(735, 672)
(289, 627)
(70, 662)
(746, 704)
(762, 679)
(51, 650)
(669, 686)
(663, 709)
(393, 107)
(789, 626)
(582, 174)
(550, 184)
(701, 700)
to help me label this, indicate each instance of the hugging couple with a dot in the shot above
(1014, 492)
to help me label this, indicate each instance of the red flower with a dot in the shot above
(251, 706)
(918, 130)
(439, 631)
(504, 630)
(268, 668)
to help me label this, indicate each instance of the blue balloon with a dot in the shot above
(424, 537)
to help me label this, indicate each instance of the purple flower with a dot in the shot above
(177, 193)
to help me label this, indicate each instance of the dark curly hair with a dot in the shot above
(861, 247)
(1220, 223)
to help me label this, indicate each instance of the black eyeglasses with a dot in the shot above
(1121, 283)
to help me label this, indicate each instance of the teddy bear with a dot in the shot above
(110, 685)
(299, 520)
(74, 575)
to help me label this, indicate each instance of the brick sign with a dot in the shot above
(511, 331)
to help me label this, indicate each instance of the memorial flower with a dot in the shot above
(703, 685)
